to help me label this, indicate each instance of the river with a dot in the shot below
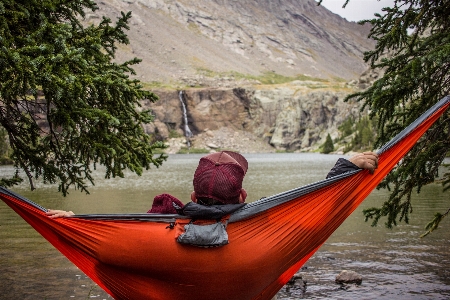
(394, 264)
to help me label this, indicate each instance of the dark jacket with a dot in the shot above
(198, 211)
(342, 166)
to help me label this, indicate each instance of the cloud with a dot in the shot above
(357, 10)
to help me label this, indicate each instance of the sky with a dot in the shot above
(357, 10)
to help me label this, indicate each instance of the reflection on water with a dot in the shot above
(395, 264)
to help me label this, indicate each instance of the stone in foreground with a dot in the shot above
(349, 277)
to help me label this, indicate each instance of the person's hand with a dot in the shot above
(54, 213)
(365, 160)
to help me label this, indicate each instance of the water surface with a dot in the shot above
(395, 264)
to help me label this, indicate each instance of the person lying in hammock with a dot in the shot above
(218, 181)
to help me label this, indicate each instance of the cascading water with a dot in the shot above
(187, 130)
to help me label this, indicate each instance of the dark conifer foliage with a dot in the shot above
(64, 103)
(328, 146)
(413, 49)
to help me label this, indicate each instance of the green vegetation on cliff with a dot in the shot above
(328, 146)
(5, 149)
(359, 135)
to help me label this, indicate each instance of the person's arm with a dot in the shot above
(365, 160)
(54, 213)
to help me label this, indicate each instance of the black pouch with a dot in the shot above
(210, 235)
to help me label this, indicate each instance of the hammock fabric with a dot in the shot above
(135, 256)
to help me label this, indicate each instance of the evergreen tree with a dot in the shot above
(328, 146)
(363, 133)
(64, 103)
(366, 133)
(413, 49)
(346, 128)
(4, 147)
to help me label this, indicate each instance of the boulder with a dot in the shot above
(348, 277)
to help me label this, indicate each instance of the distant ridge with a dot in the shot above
(179, 40)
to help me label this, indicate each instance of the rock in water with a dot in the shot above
(349, 277)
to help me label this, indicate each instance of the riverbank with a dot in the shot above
(226, 138)
(222, 139)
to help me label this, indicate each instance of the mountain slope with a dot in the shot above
(181, 40)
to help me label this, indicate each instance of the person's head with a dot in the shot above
(218, 179)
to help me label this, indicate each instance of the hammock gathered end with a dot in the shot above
(136, 256)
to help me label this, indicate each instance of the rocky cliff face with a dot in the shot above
(223, 46)
(294, 117)
(186, 40)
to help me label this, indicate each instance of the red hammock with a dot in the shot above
(135, 256)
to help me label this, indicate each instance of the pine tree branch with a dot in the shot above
(416, 75)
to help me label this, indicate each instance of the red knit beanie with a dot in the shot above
(219, 176)
(163, 204)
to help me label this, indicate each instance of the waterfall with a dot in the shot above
(187, 131)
